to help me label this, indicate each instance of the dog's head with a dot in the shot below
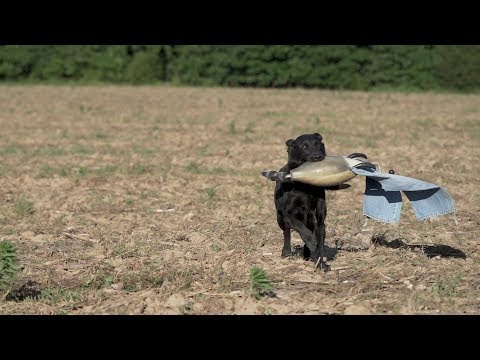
(308, 147)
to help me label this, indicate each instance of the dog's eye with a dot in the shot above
(305, 146)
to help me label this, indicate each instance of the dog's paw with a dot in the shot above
(306, 253)
(323, 266)
(287, 253)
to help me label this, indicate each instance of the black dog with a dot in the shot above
(302, 207)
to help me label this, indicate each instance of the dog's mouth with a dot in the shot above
(315, 158)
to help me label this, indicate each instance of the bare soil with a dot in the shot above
(149, 200)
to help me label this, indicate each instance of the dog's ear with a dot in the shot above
(289, 142)
(320, 136)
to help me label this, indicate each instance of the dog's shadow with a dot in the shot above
(430, 251)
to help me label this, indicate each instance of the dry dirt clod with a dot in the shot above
(189, 216)
(357, 310)
(174, 301)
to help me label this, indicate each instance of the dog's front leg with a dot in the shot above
(287, 240)
(305, 234)
(319, 233)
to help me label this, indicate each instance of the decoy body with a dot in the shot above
(333, 170)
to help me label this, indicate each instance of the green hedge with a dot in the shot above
(363, 67)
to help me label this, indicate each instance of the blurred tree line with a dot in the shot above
(356, 67)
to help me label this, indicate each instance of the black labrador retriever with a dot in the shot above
(302, 207)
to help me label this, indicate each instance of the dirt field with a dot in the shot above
(149, 200)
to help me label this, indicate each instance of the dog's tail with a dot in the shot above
(276, 175)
